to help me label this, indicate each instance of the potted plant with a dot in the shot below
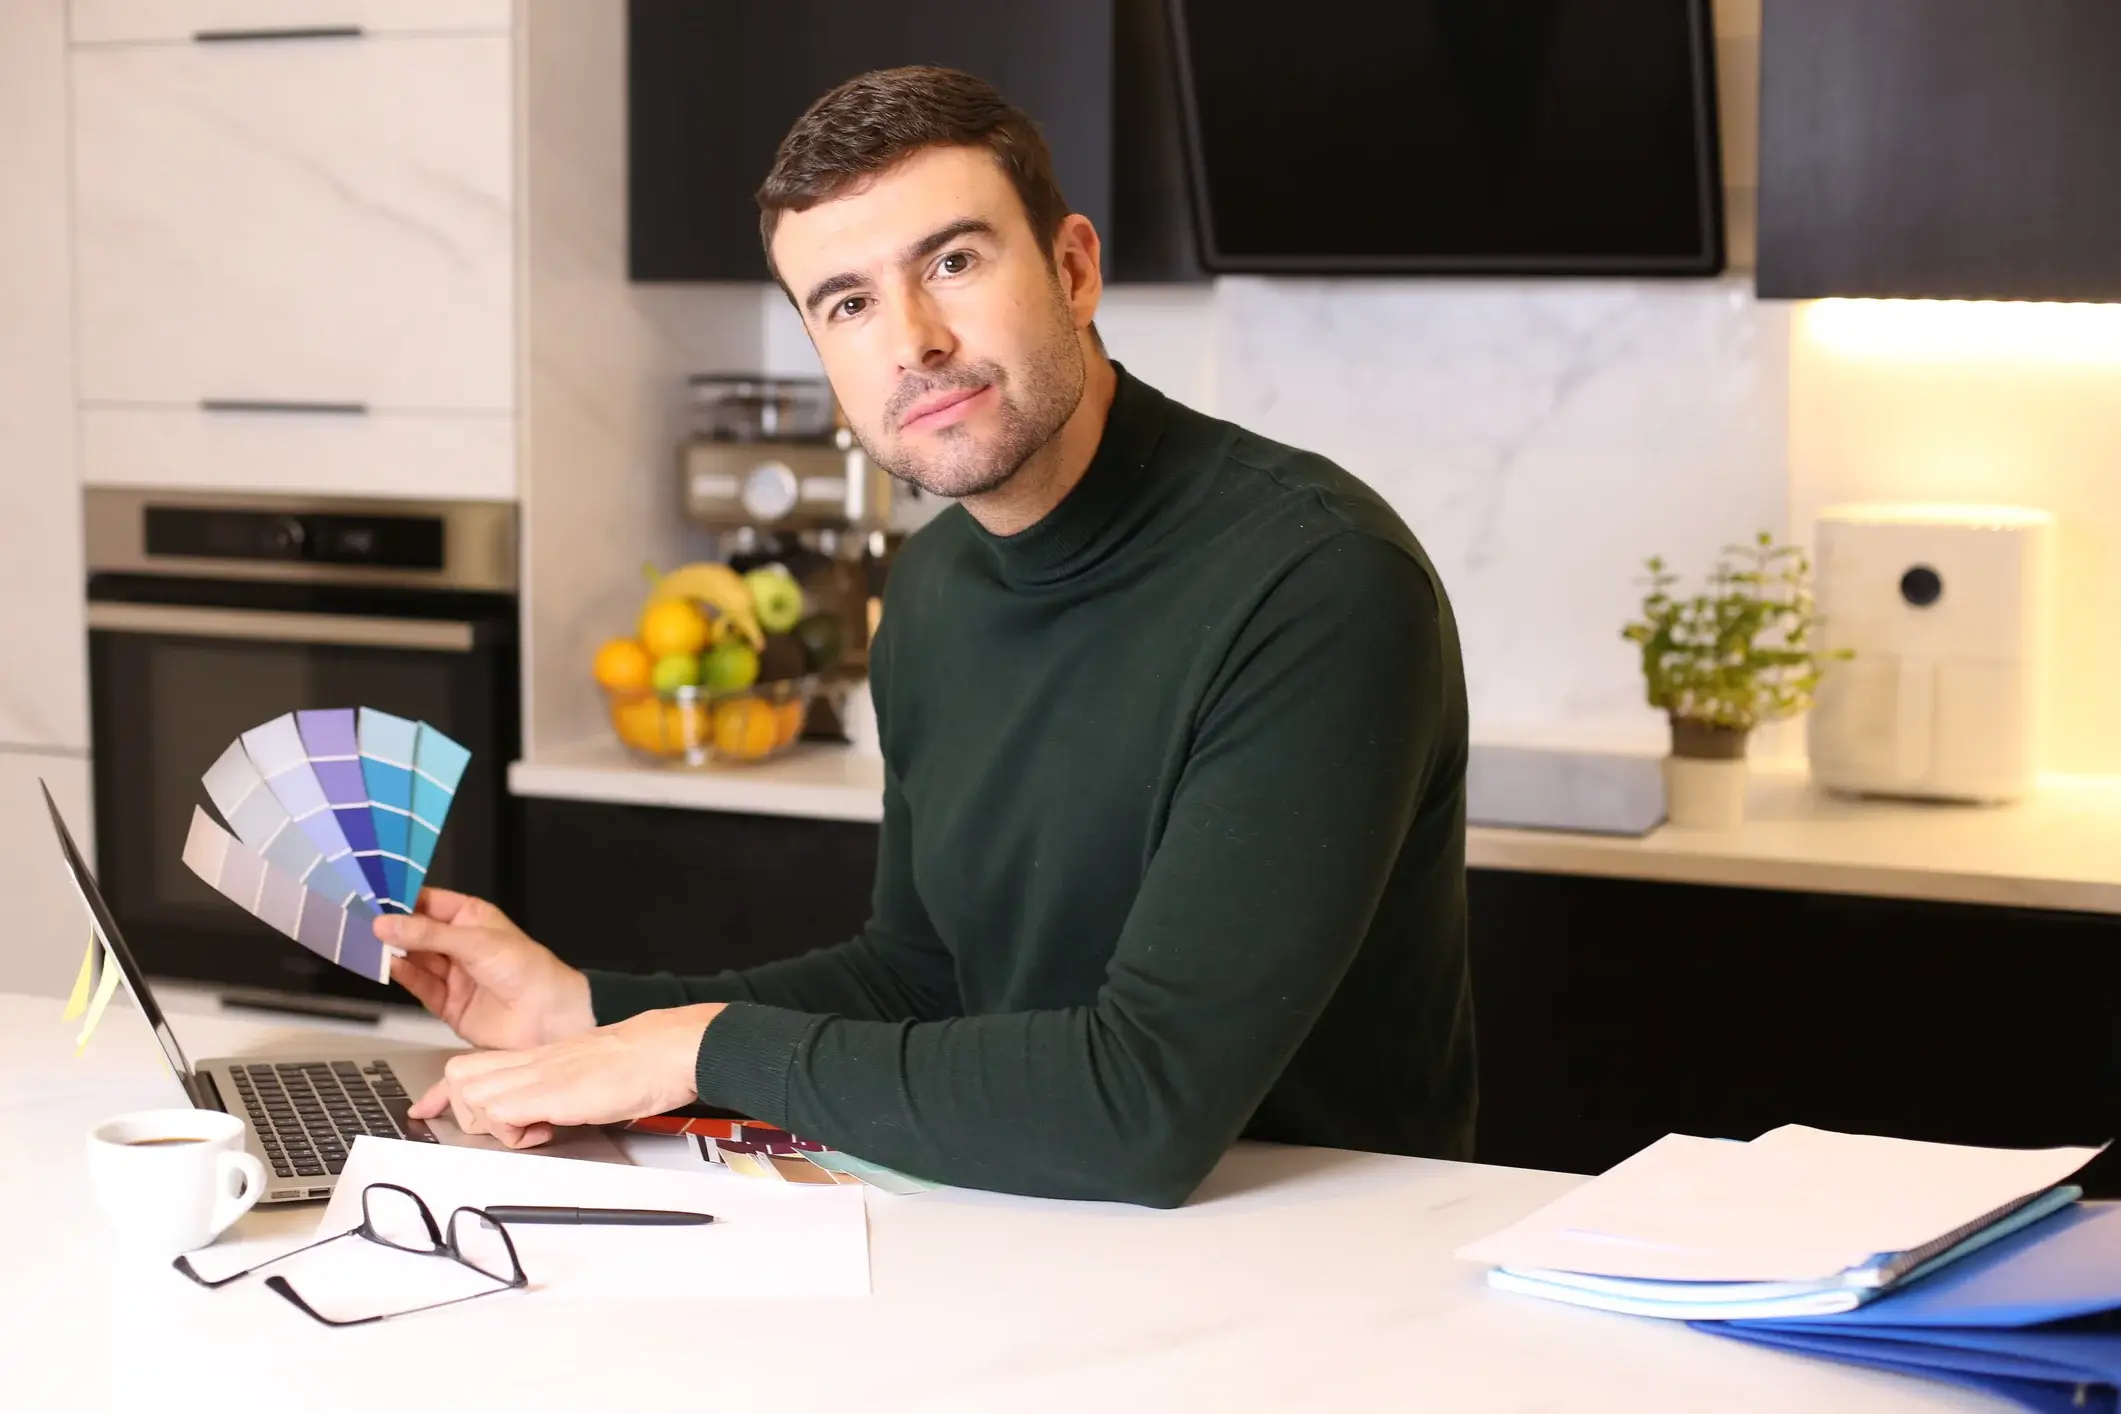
(1721, 662)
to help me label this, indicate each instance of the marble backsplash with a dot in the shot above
(1541, 438)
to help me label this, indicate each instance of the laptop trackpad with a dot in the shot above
(582, 1142)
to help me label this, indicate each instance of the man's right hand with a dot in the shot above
(496, 986)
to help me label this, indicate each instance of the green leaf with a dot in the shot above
(1739, 653)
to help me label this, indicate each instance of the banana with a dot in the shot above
(719, 587)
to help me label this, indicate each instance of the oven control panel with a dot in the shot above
(398, 542)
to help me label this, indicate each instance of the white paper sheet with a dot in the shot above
(1797, 1204)
(767, 1240)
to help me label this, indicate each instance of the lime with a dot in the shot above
(675, 670)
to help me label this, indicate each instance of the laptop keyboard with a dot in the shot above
(307, 1116)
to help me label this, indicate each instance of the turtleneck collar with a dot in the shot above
(1102, 510)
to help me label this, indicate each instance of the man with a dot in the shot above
(1174, 734)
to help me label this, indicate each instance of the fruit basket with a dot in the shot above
(696, 727)
(721, 666)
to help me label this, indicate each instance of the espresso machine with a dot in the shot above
(773, 455)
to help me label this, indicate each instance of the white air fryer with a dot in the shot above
(1946, 609)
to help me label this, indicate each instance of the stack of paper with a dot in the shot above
(2032, 1318)
(1800, 1222)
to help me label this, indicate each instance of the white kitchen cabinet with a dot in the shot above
(43, 685)
(43, 644)
(311, 222)
(46, 925)
(458, 456)
(120, 21)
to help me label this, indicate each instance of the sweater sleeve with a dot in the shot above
(1309, 758)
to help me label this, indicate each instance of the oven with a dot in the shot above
(209, 614)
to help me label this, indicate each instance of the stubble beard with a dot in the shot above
(1032, 406)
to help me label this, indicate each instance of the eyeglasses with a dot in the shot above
(399, 1218)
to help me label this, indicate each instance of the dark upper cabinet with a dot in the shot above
(715, 84)
(1944, 149)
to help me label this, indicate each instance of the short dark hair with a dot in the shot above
(873, 121)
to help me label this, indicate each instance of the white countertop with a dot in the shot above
(2060, 848)
(812, 780)
(1297, 1279)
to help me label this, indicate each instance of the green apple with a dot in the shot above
(775, 597)
(729, 667)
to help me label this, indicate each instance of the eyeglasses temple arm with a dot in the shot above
(183, 1264)
(280, 1284)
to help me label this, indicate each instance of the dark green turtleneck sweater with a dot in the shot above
(1173, 844)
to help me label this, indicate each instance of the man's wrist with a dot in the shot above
(698, 1017)
(572, 1012)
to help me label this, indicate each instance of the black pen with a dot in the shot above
(615, 1217)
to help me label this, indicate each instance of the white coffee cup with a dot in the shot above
(170, 1181)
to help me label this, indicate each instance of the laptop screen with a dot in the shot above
(114, 943)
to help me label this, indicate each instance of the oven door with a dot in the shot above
(179, 668)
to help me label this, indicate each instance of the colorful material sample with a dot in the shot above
(336, 814)
(242, 874)
(754, 1149)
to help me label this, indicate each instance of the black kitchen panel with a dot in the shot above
(713, 88)
(1940, 149)
(1453, 136)
(637, 888)
(1612, 1012)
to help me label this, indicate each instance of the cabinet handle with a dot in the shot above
(267, 36)
(271, 405)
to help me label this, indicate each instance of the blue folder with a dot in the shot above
(2036, 1317)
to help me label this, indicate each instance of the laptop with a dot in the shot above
(303, 1115)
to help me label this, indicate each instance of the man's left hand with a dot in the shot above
(643, 1065)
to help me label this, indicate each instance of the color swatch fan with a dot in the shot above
(336, 815)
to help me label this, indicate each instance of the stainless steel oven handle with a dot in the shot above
(272, 625)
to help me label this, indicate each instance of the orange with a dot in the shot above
(788, 721)
(673, 626)
(639, 722)
(745, 728)
(687, 725)
(623, 665)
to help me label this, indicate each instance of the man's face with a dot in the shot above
(949, 338)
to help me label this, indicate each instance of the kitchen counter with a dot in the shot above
(2059, 849)
(811, 781)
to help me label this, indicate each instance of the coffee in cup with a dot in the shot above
(169, 1181)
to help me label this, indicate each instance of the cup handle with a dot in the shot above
(230, 1206)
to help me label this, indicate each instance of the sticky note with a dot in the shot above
(84, 982)
(104, 988)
